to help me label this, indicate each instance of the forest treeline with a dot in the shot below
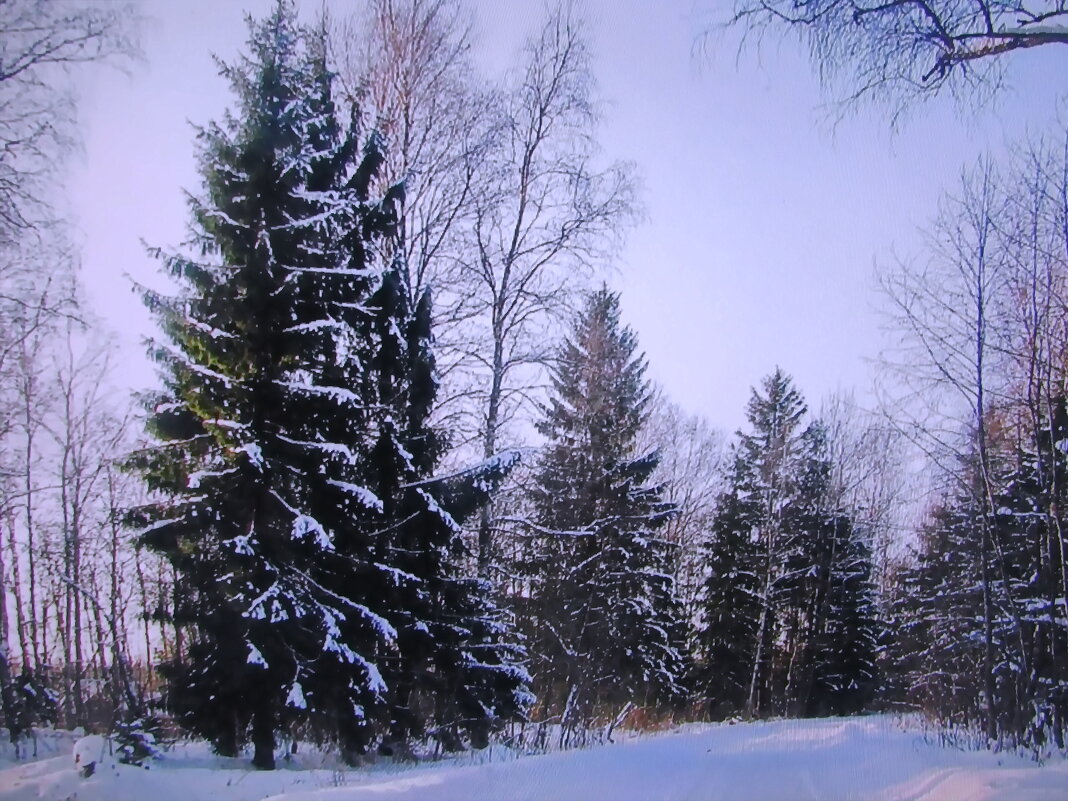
(405, 482)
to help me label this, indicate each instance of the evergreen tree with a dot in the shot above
(763, 483)
(825, 597)
(938, 616)
(980, 619)
(788, 608)
(1029, 581)
(729, 608)
(605, 621)
(844, 660)
(800, 594)
(316, 554)
(259, 420)
(459, 668)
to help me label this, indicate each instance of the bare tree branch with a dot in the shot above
(897, 52)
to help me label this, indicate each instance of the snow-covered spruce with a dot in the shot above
(788, 604)
(605, 625)
(979, 614)
(457, 676)
(316, 584)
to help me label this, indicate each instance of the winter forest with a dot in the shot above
(404, 486)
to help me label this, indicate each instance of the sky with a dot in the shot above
(764, 220)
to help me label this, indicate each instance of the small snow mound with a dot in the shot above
(88, 751)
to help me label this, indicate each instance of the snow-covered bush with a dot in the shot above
(138, 740)
(89, 751)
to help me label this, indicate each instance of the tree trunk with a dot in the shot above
(7, 691)
(226, 743)
(142, 589)
(16, 593)
(489, 447)
(991, 727)
(751, 703)
(263, 737)
(31, 553)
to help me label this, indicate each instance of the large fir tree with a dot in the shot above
(937, 650)
(787, 608)
(318, 579)
(458, 670)
(746, 551)
(730, 610)
(605, 622)
(841, 671)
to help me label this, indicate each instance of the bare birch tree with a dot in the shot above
(693, 469)
(40, 42)
(869, 476)
(406, 64)
(903, 51)
(546, 222)
(947, 314)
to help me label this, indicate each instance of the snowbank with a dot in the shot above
(857, 758)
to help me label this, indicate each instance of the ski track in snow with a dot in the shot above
(837, 758)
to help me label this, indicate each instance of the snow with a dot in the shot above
(337, 393)
(326, 447)
(210, 330)
(833, 758)
(266, 605)
(434, 508)
(401, 578)
(385, 628)
(362, 494)
(1035, 30)
(181, 357)
(226, 218)
(89, 751)
(295, 698)
(362, 273)
(241, 544)
(315, 325)
(255, 657)
(305, 526)
(254, 452)
(158, 524)
(195, 478)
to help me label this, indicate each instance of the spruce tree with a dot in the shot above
(317, 556)
(979, 618)
(459, 670)
(844, 658)
(729, 609)
(258, 424)
(1029, 583)
(800, 593)
(753, 511)
(938, 647)
(787, 607)
(605, 621)
(825, 598)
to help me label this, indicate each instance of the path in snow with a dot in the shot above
(858, 758)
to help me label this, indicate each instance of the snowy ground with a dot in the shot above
(858, 758)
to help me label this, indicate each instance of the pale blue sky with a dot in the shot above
(764, 221)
